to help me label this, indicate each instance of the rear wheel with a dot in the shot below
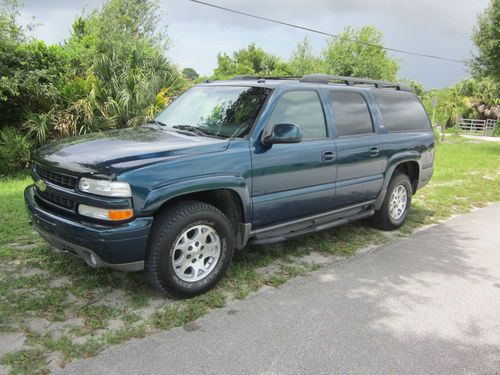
(190, 248)
(396, 205)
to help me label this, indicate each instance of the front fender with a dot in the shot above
(157, 197)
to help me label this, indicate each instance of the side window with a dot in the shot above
(301, 108)
(401, 111)
(351, 114)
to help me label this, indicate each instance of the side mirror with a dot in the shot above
(282, 133)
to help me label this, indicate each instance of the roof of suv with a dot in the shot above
(272, 82)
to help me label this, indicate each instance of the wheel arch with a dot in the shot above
(229, 195)
(408, 163)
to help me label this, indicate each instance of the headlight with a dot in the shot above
(105, 214)
(105, 187)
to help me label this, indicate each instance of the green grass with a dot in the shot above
(13, 217)
(28, 361)
(97, 316)
(467, 174)
(36, 283)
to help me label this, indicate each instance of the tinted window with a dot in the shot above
(301, 108)
(401, 111)
(351, 114)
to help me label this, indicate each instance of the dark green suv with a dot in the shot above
(251, 159)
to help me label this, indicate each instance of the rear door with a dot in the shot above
(294, 180)
(360, 163)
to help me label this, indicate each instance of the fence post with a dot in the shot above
(434, 102)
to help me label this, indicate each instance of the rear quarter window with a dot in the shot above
(401, 111)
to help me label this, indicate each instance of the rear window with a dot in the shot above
(401, 111)
(351, 114)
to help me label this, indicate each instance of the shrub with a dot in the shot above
(14, 150)
(111, 73)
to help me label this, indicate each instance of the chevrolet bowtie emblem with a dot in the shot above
(41, 185)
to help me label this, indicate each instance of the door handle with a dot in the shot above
(374, 151)
(328, 156)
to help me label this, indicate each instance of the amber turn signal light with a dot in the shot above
(120, 214)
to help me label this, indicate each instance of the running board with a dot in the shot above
(312, 224)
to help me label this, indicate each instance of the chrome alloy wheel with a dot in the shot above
(397, 204)
(196, 253)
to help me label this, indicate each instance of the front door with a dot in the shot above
(294, 180)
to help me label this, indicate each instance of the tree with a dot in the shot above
(357, 52)
(121, 74)
(190, 73)
(118, 28)
(417, 87)
(484, 88)
(252, 60)
(302, 61)
(31, 72)
(486, 37)
(112, 72)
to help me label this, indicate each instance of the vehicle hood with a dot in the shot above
(113, 151)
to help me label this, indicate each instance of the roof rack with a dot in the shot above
(353, 81)
(326, 79)
(253, 78)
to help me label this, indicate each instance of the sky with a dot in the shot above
(198, 33)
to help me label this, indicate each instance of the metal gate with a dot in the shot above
(477, 127)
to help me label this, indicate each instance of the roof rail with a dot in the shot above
(352, 81)
(253, 78)
(242, 78)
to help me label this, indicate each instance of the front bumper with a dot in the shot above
(120, 247)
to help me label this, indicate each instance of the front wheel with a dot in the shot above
(190, 248)
(394, 210)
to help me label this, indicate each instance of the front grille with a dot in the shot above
(57, 200)
(59, 179)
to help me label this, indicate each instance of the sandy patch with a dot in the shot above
(11, 342)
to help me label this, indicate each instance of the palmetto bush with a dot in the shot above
(122, 99)
(128, 95)
(118, 74)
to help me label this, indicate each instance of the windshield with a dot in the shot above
(223, 111)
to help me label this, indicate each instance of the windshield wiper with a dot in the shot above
(195, 129)
(157, 123)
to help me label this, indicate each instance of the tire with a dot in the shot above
(189, 250)
(383, 219)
